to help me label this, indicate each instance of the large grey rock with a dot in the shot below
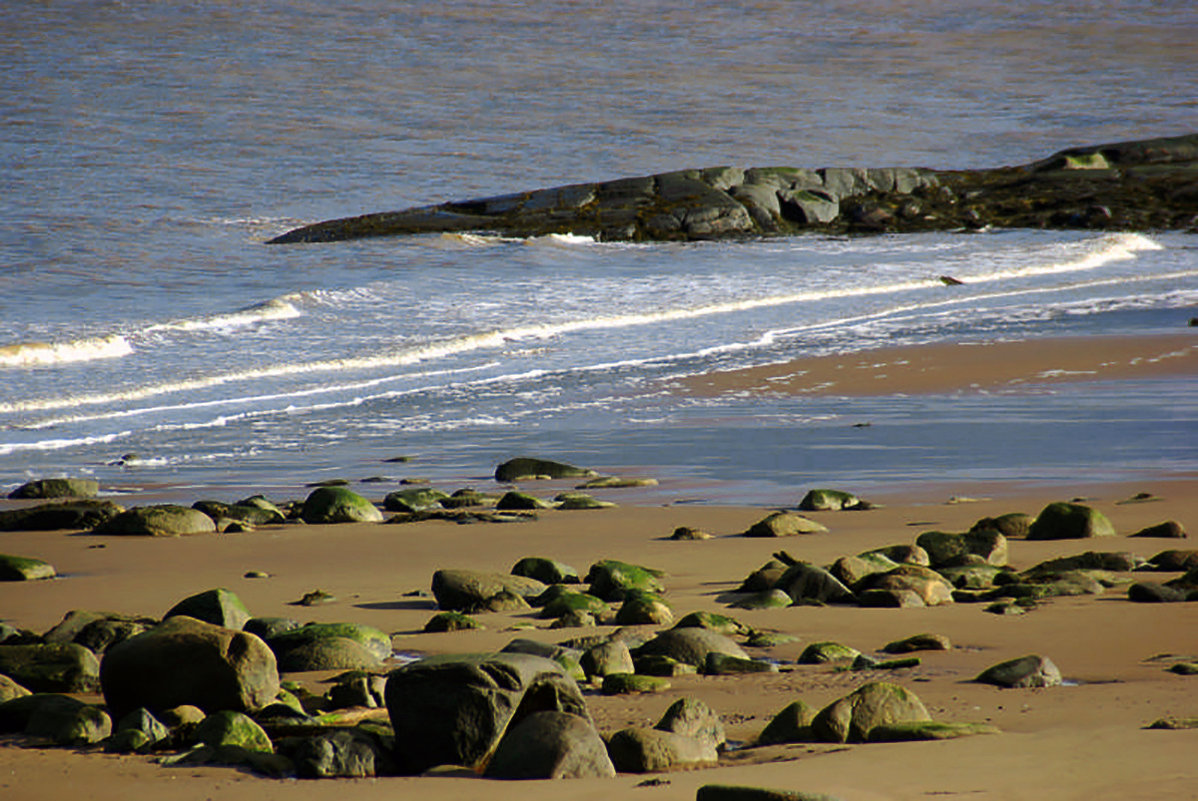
(528, 467)
(51, 667)
(226, 727)
(637, 750)
(1068, 521)
(80, 515)
(337, 754)
(455, 709)
(467, 590)
(804, 582)
(546, 571)
(330, 644)
(218, 606)
(791, 725)
(1026, 671)
(784, 524)
(339, 505)
(414, 499)
(162, 520)
(611, 579)
(137, 732)
(608, 657)
(691, 646)
(97, 631)
(57, 488)
(186, 661)
(692, 717)
(850, 719)
(932, 588)
(551, 745)
(944, 548)
(61, 719)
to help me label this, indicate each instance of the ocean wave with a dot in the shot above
(41, 354)
(276, 309)
(1088, 254)
(62, 442)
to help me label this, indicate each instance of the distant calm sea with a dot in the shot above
(149, 149)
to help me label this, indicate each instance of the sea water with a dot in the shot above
(151, 149)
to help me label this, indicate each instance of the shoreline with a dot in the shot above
(1024, 365)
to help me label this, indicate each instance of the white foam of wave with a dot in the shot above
(276, 309)
(41, 354)
(1099, 251)
(561, 240)
(1088, 254)
(60, 443)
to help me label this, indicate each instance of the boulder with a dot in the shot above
(611, 579)
(1148, 592)
(902, 554)
(1011, 525)
(57, 488)
(415, 499)
(72, 515)
(637, 750)
(226, 727)
(944, 547)
(524, 468)
(343, 753)
(137, 732)
(890, 599)
(330, 646)
(269, 627)
(766, 599)
(10, 689)
(521, 500)
(567, 602)
(1068, 521)
(450, 621)
(546, 571)
(974, 577)
(1026, 671)
(217, 606)
(51, 667)
(784, 524)
(853, 717)
(573, 501)
(24, 568)
(828, 500)
(724, 665)
(818, 653)
(61, 719)
(1119, 562)
(551, 745)
(97, 631)
(466, 497)
(764, 577)
(186, 661)
(804, 582)
(1170, 529)
(918, 642)
(338, 505)
(455, 709)
(617, 482)
(1170, 561)
(721, 624)
(163, 520)
(467, 590)
(633, 684)
(686, 533)
(791, 725)
(247, 514)
(927, 730)
(693, 718)
(606, 658)
(690, 645)
(851, 569)
(932, 588)
(644, 608)
(569, 659)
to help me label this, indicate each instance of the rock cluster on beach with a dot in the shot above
(207, 682)
(1139, 185)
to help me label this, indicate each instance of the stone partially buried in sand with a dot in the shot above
(784, 524)
(551, 745)
(24, 568)
(57, 488)
(524, 468)
(1026, 671)
(51, 667)
(853, 717)
(1067, 521)
(162, 520)
(217, 606)
(339, 505)
(79, 515)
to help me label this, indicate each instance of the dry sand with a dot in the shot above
(1085, 741)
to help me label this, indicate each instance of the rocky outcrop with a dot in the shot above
(1147, 184)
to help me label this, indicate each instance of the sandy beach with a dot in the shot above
(1085, 740)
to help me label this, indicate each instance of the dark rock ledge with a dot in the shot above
(1143, 185)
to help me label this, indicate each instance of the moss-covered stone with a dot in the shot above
(633, 683)
(24, 568)
(451, 621)
(338, 505)
(1066, 521)
(227, 727)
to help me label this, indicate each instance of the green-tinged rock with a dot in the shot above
(454, 709)
(693, 718)
(764, 577)
(724, 665)
(546, 571)
(57, 488)
(341, 753)
(791, 725)
(163, 520)
(851, 569)
(251, 514)
(918, 642)
(1026, 671)
(217, 606)
(1011, 525)
(339, 505)
(818, 653)
(227, 727)
(1173, 723)
(727, 792)
(274, 766)
(691, 645)
(927, 730)
(1116, 561)
(633, 683)
(567, 602)
(766, 599)
(804, 582)
(688, 534)
(66, 721)
(617, 482)
(852, 718)
(784, 524)
(525, 468)
(451, 621)
(944, 547)
(466, 498)
(24, 568)
(551, 745)
(1184, 668)
(1170, 529)
(137, 732)
(1006, 608)
(973, 577)
(606, 658)
(1066, 521)
(659, 665)
(828, 500)
(70, 515)
(721, 624)
(611, 579)
(932, 588)
(416, 499)
(902, 554)
(375, 641)
(10, 689)
(97, 631)
(640, 608)
(637, 750)
(51, 667)
(1148, 592)
(466, 590)
(768, 639)
(522, 500)
(269, 627)
(184, 661)
(863, 662)
(577, 500)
